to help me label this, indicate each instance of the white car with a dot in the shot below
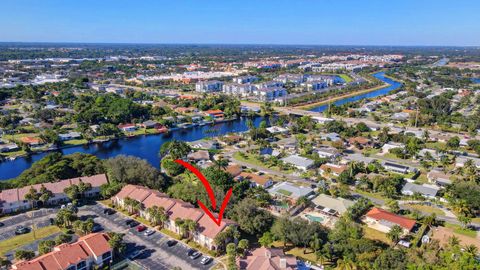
(149, 232)
(206, 260)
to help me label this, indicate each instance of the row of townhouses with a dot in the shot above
(13, 200)
(89, 252)
(175, 209)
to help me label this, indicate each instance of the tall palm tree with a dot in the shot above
(191, 227)
(83, 188)
(346, 264)
(180, 223)
(157, 215)
(472, 249)
(221, 163)
(45, 195)
(32, 196)
(394, 234)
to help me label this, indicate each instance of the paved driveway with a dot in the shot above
(157, 255)
(38, 218)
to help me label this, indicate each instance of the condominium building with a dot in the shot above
(208, 86)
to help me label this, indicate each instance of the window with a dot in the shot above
(82, 265)
(71, 267)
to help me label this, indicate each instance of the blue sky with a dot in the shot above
(323, 22)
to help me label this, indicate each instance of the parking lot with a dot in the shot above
(156, 255)
(38, 218)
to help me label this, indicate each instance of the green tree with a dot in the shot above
(45, 246)
(395, 233)
(24, 254)
(266, 240)
(115, 240)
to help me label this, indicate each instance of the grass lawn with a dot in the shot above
(75, 142)
(14, 153)
(375, 235)
(298, 252)
(426, 209)
(458, 229)
(16, 137)
(252, 160)
(345, 77)
(25, 239)
(371, 194)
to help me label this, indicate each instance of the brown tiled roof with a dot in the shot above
(159, 199)
(380, 214)
(207, 227)
(94, 180)
(259, 179)
(234, 169)
(65, 255)
(184, 210)
(360, 140)
(267, 259)
(338, 169)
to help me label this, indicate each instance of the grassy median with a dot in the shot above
(28, 238)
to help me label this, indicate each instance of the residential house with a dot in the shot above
(333, 169)
(277, 130)
(208, 144)
(149, 124)
(267, 259)
(301, 163)
(270, 152)
(199, 156)
(460, 161)
(359, 141)
(69, 136)
(426, 191)
(32, 141)
(214, 114)
(234, 169)
(291, 192)
(439, 178)
(333, 137)
(328, 152)
(255, 179)
(391, 145)
(382, 220)
(127, 127)
(89, 252)
(8, 147)
(332, 206)
(398, 168)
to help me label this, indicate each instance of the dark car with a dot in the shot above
(97, 228)
(2, 224)
(133, 224)
(21, 230)
(52, 221)
(171, 243)
(129, 221)
(195, 255)
(190, 251)
(108, 211)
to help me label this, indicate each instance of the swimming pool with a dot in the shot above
(314, 218)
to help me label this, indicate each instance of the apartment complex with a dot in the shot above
(175, 209)
(13, 200)
(208, 86)
(90, 251)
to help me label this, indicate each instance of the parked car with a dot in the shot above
(97, 228)
(149, 232)
(135, 254)
(52, 221)
(206, 260)
(195, 255)
(190, 251)
(129, 221)
(141, 228)
(2, 224)
(21, 230)
(133, 224)
(108, 211)
(171, 243)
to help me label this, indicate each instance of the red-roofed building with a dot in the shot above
(383, 221)
(127, 127)
(175, 209)
(33, 141)
(268, 259)
(215, 114)
(13, 200)
(90, 250)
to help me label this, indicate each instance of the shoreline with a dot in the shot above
(356, 93)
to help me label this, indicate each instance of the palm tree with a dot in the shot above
(128, 204)
(157, 215)
(83, 188)
(346, 264)
(221, 163)
(472, 249)
(45, 195)
(394, 234)
(65, 217)
(453, 241)
(32, 196)
(181, 225)
(191, 227)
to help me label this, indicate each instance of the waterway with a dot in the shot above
(147, 146)
(393, 85)
(476, 80)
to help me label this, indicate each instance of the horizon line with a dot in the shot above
(236, 44)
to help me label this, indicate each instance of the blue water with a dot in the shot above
(476, 80)
(393, 85)
(145, 147)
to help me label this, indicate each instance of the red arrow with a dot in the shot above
(207, 186)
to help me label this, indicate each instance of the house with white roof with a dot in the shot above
(301, 163)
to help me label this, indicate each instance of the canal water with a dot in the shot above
(147, 147)
(393, 85)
